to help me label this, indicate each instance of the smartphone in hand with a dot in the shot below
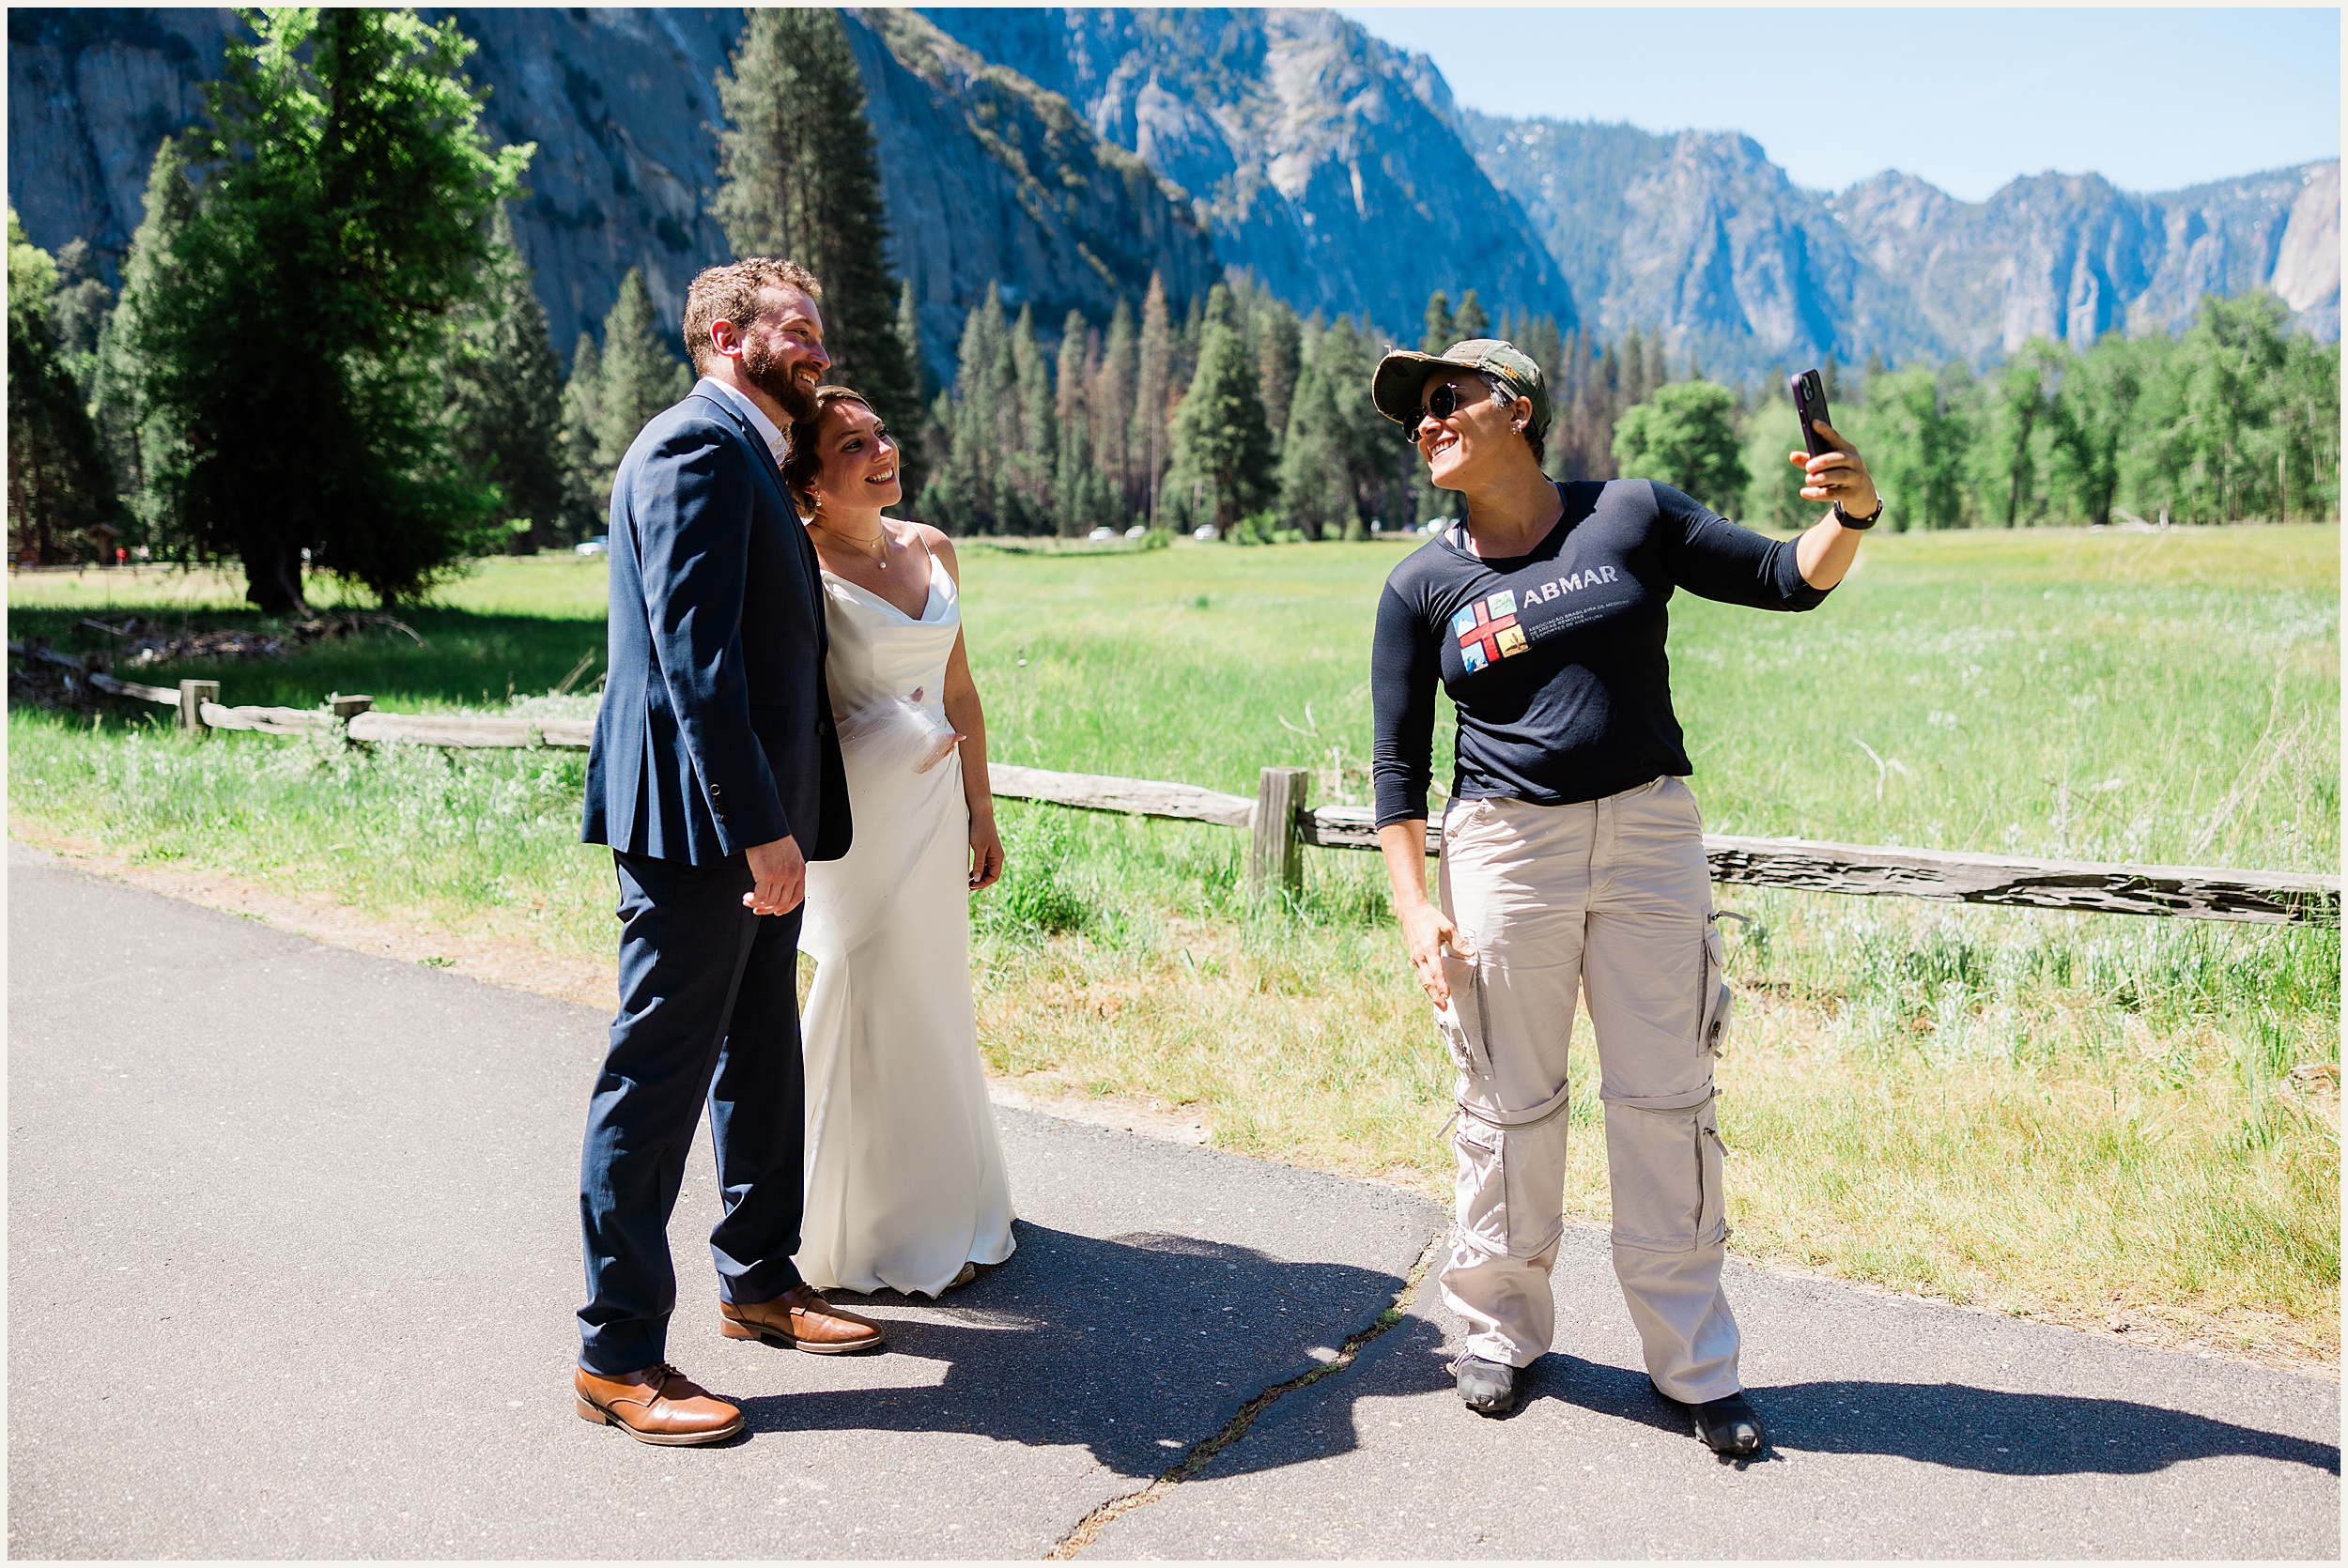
(1809, 405)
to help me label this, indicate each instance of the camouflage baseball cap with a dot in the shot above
(1401, 375)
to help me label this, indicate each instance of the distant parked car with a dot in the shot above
(599, 545)
(1099, 534)
(1139, 531)
(1204, 531)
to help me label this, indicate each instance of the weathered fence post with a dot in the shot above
(1275, 852)
(347, 707)
(193, 696)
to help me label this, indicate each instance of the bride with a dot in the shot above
(906, 1187)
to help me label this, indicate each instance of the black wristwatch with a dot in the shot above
(1848, 521)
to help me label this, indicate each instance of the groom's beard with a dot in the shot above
(767, 370)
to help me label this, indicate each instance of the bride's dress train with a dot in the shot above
(904, 1176)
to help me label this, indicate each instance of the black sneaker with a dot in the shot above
(1728, 1426)
(1489, 1388)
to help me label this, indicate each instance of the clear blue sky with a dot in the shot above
(2150, 98)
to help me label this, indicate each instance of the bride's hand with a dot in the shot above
(986, 854)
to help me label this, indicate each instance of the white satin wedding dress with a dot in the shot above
(904, 1176)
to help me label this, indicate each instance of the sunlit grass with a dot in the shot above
(2055, 1114)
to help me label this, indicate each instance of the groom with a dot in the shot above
(715, 777)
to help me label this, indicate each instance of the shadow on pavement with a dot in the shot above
(1136, 1347)
(1935, 1423)
(1948, 1424)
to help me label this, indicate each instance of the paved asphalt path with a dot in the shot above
(292, 1254)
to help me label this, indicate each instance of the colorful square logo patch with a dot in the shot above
(1488, 630)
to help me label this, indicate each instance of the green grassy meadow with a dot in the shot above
(2083, 1117)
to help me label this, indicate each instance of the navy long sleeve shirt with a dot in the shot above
(1555, 660)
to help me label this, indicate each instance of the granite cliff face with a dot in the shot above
(1070, 153)
(90, 95)
(987, 176)
(992, 177)
(618, 102)
(1700, 235)
(2072, 256)
(1322, 159)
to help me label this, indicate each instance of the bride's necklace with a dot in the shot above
(879, 558)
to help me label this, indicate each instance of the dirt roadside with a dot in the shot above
(590, 982)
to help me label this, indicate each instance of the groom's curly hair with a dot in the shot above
(806, 459)
(730, 293)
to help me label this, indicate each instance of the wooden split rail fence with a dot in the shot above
(1280, 821)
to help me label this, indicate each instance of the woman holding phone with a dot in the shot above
(1572, 857)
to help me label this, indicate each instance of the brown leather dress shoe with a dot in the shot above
(659, 1404)
(801, 1318)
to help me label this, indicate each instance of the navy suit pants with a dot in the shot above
(709, 1011)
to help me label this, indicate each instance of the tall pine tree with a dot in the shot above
(61, 498)
(1153, 379)
(1440, 330)
(586, 497)
(1314, 495)
(1034, 440)
(342, 217)
(1278, 357)
(140, 439)
(505, 396)
(1436, 334)
(1219, 432)
(1080, 499)
(800, 179)
(963, 492)
(1471, 321)
(1112, 405)
(909, 340)
(638, 375)
(1377, 469)
(77, 312)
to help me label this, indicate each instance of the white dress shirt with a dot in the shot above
(777, 443)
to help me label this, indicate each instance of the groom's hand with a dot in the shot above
(780, 874)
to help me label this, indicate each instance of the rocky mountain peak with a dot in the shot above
(1070, 153)
(1324, 160)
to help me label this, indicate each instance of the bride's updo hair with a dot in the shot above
(807, 458)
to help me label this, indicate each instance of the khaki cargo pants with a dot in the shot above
(1611, 897)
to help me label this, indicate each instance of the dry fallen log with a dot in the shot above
(2189, 892)
(93, 667)
(1138, 797)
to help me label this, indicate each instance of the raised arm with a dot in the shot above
(1718, 559)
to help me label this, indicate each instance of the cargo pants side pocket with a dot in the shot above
(1481, 1198)
(1512, 1181)
(1462, 1023)
(1718, 1003)
(1664, 1163)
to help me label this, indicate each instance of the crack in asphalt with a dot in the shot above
(1200, 1453)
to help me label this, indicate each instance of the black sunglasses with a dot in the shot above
(1442, 402)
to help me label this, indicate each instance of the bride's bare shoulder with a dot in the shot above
(941, 545)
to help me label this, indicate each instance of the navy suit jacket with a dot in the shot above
(716, 730)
